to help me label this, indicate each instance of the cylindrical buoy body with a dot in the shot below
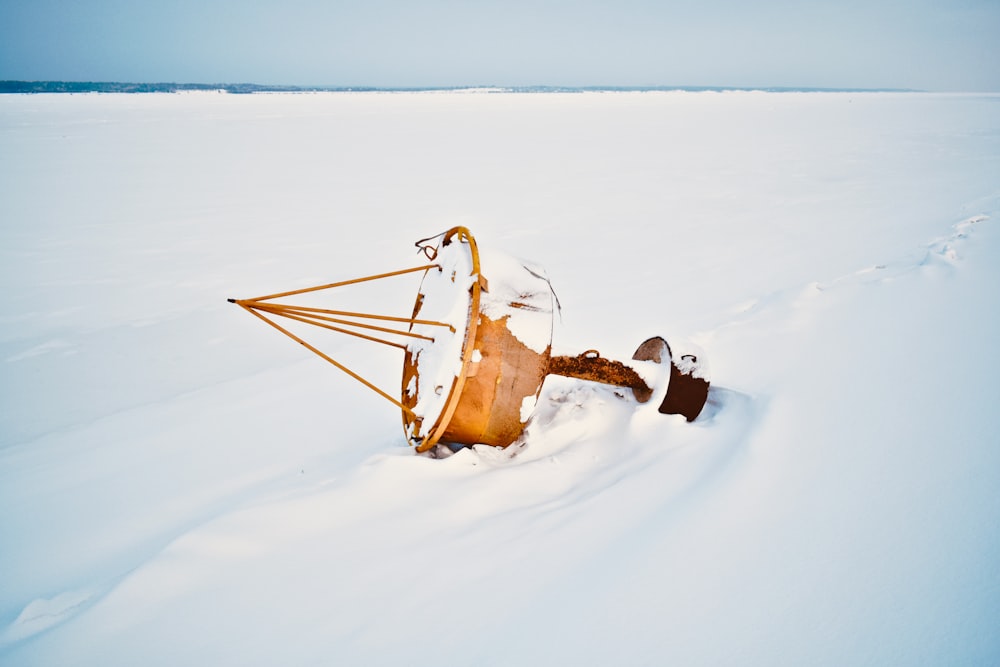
(479, 384)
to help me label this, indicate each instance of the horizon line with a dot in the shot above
(79, 86)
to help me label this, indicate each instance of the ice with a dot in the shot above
(179, 485)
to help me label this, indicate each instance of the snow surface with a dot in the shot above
(181, 485)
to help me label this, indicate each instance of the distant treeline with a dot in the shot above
(247, 88)
(119, 87)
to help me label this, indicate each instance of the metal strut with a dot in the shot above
(327, 318)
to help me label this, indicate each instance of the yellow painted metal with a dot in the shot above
(313, 318)
(410, 420)
(495, 374)
(357, 334)
(319, 317)
(505, 374)
(345, 282)
(484, 399)
(369, 316)
(309, 347)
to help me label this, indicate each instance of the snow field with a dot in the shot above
(179, 484)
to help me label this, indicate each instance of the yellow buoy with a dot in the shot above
(477, 347)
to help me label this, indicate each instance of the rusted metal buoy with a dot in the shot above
(478, 347)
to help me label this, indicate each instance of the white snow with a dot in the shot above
(520, 293)
(444, 299)
(180, 485)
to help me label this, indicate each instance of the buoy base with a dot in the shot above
(687, 391)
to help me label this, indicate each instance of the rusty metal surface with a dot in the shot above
(653, 349)
(593, 367)
(686, 394)
(496, 373)
(506, 372)
(414, 424)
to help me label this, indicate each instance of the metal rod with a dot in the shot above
(589, 366)
(345, 282)
(309, 318)
(347, 313)
(332, 361)
(348, 332)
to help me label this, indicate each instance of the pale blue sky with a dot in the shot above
(923, 44)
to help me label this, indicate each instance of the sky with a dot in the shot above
(937, 45)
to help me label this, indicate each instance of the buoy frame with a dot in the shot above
(414, 387)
